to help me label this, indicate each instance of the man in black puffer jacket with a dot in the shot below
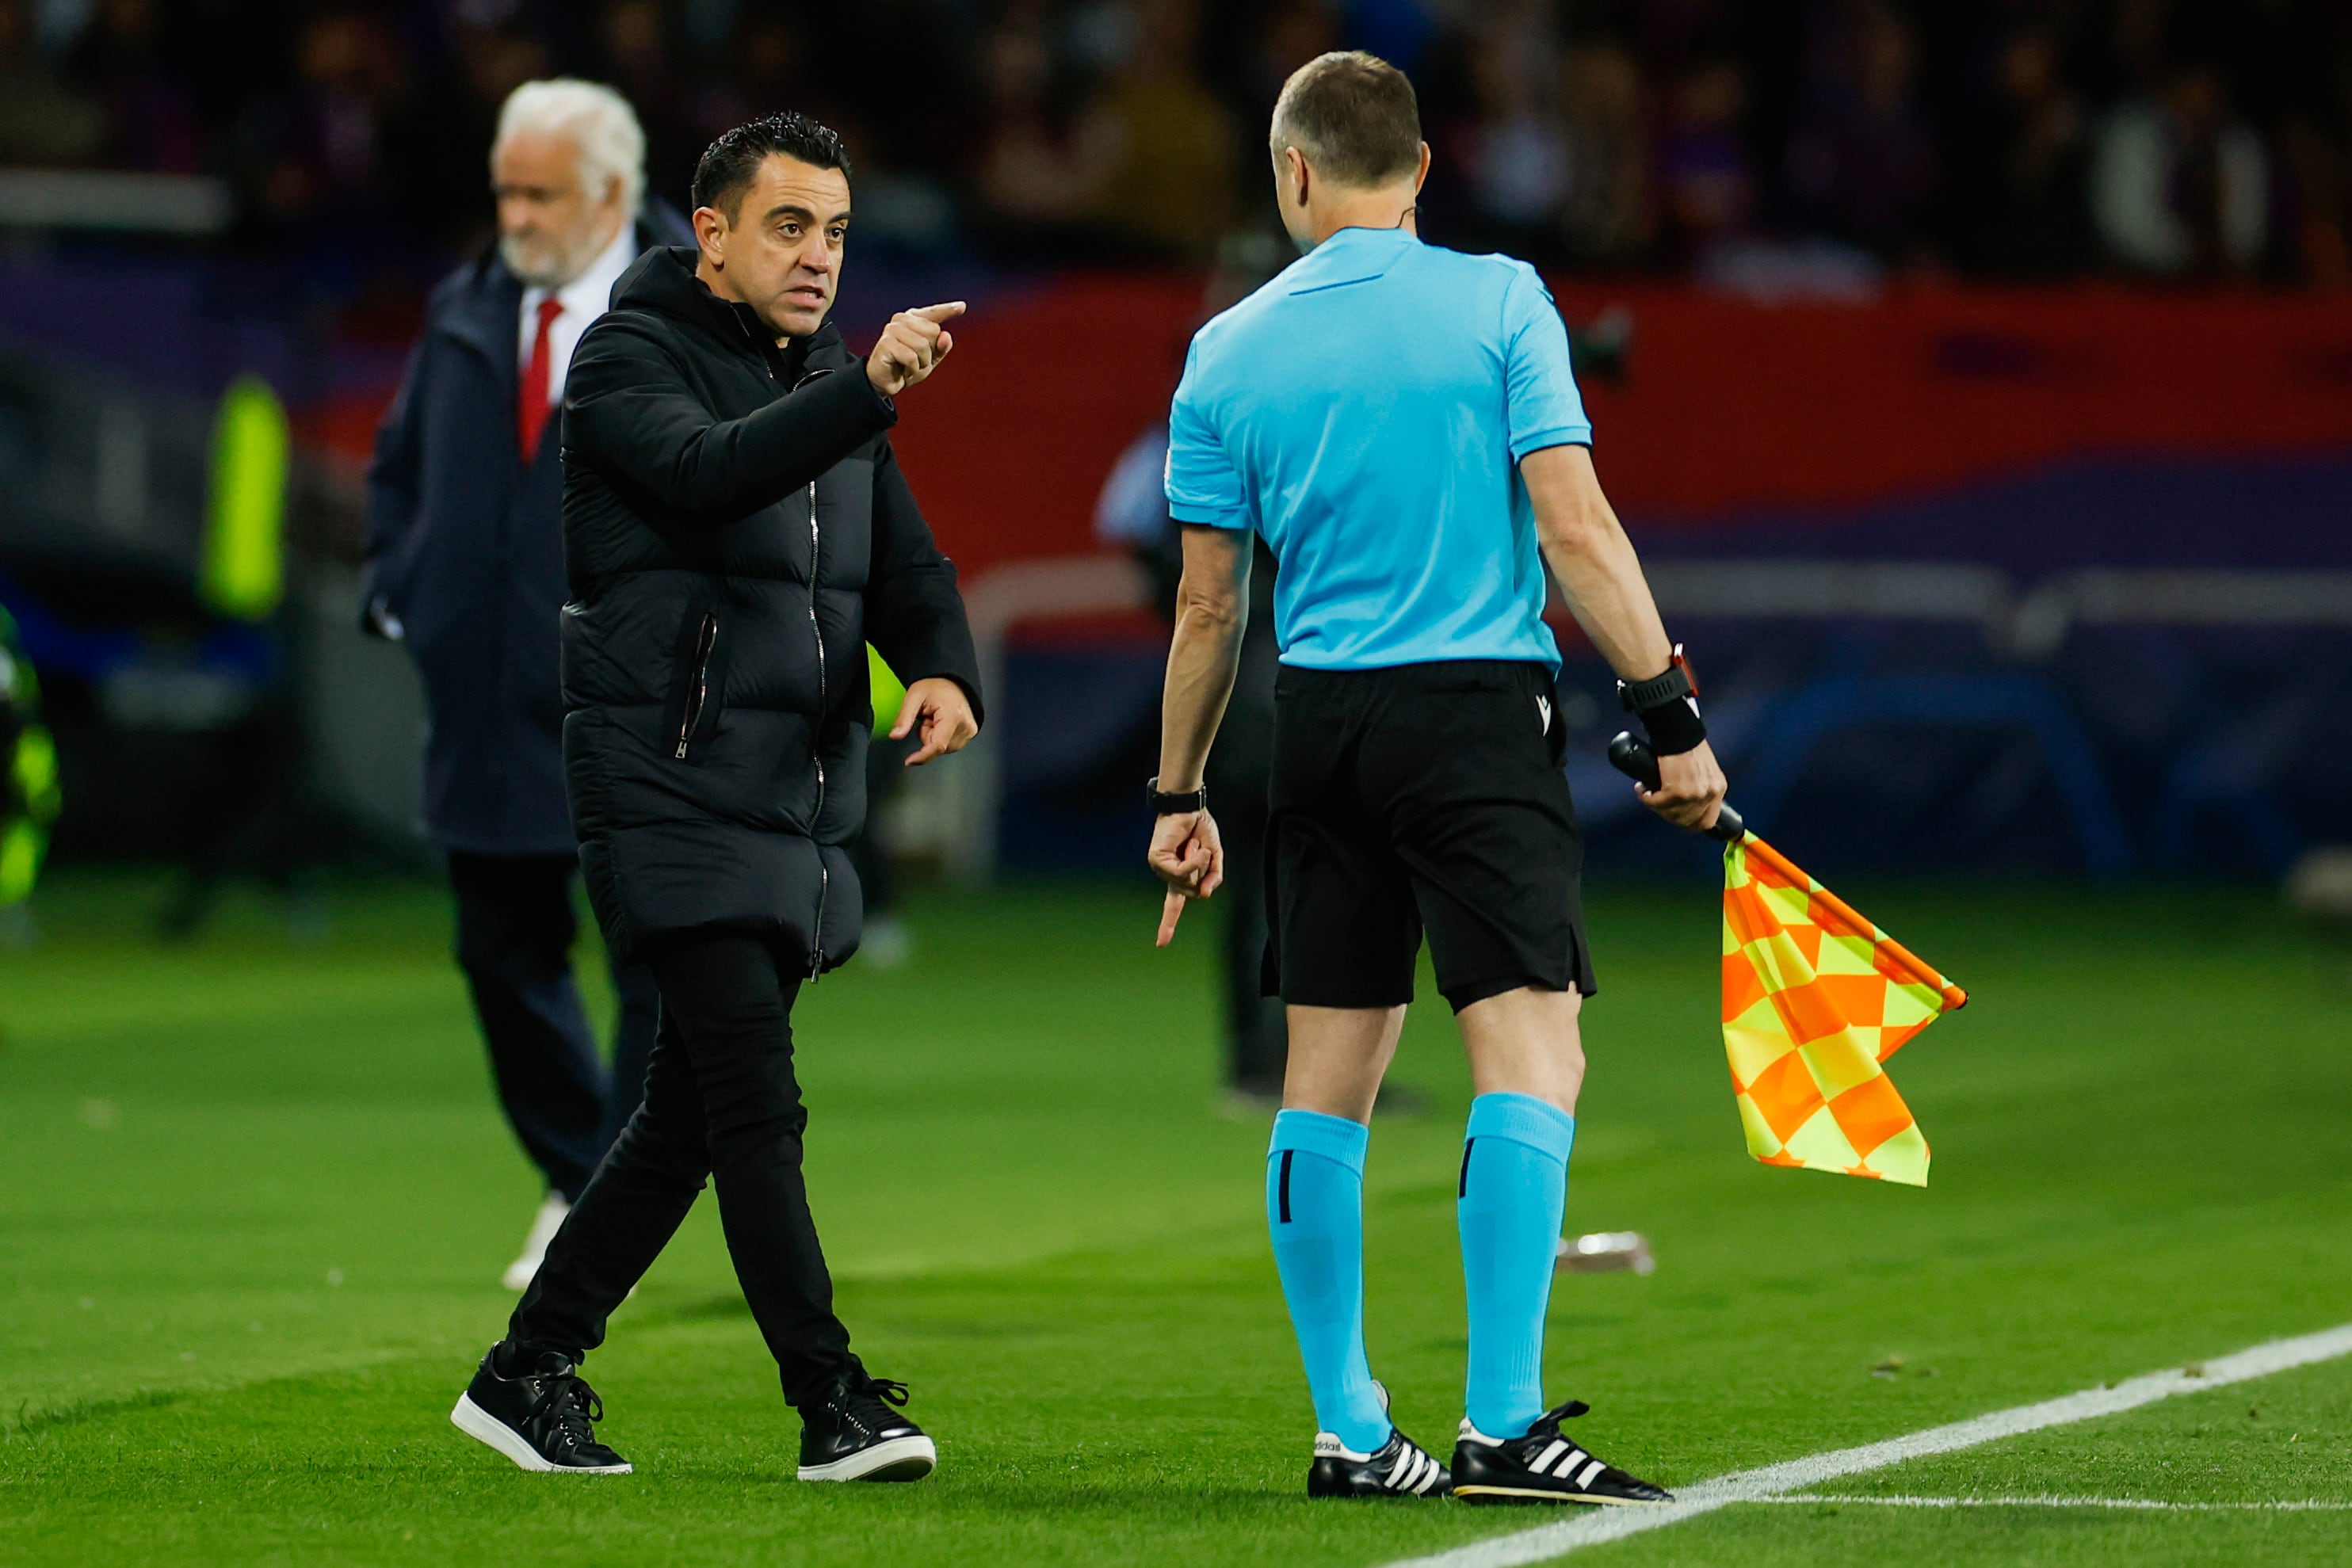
(736, 530)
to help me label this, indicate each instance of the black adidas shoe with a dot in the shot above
(543, 1419)
(1542, 1467)
(853, 1434)
(1398, 1467)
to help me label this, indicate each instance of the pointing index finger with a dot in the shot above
(948, 313)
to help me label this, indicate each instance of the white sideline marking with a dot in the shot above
(2151, 1504)
(1773, 1481)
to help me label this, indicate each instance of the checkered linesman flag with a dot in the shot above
(1815, 997)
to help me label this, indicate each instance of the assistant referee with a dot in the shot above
(1401, 424)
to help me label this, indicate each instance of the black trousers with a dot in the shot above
(1241, 767)
(722, 1105)
(515, 931)
(1257, 1031)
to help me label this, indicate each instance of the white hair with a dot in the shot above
(598, 121)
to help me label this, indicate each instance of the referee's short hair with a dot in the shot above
(1355, 116)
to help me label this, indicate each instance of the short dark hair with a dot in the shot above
(1354, 115)
(730, 164)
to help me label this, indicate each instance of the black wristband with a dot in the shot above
(1674, 726)
(1668, 705)
(1167, 805)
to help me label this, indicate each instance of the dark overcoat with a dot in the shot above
(737, 530)
(464, 560)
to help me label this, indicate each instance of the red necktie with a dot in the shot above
(531, 413)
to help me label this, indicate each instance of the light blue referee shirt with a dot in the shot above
(1366, 412)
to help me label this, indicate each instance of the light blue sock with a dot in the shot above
(1314, 1208)
(1514, 1190)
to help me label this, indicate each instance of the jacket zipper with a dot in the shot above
(699, 695)
(824, 876)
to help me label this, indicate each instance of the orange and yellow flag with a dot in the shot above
(1814, 999)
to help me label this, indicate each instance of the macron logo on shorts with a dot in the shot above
(1543, 707)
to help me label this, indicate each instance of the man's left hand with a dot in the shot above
(1188, 855)
(937, 711)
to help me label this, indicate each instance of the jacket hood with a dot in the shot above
(663, 280)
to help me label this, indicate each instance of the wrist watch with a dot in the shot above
(1676, 681)
(1164, 804)
(1667, 704)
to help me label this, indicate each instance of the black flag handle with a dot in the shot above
(1636, 760)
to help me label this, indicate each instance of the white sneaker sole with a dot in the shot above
(484, 1427)
(900, 1459)
(1472, 1492)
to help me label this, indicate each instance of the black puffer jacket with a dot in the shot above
(735, 529)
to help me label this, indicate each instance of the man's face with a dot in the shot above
(781, 253)
(550, 227)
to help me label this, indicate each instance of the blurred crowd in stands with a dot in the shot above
(1795, 146)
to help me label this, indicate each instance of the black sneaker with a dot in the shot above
(853, 1434)
(542, 1420)
(1398, 1467)
(1542, 1467)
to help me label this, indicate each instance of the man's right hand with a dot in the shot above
(1690, 788)
(911, 346)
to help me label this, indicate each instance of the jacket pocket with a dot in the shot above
(695, 707)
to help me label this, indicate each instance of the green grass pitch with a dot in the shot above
(256, 1199)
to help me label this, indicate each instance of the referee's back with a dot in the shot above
(1366, 411)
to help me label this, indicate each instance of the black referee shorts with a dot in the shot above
(1424, 797)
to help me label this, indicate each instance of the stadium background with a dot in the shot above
(1976, 380)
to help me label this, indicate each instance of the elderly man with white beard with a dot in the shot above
(465, 569)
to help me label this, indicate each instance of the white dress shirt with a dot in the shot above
(584, 299)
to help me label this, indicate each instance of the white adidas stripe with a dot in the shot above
(1775, 1481)
(1413, 1472)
